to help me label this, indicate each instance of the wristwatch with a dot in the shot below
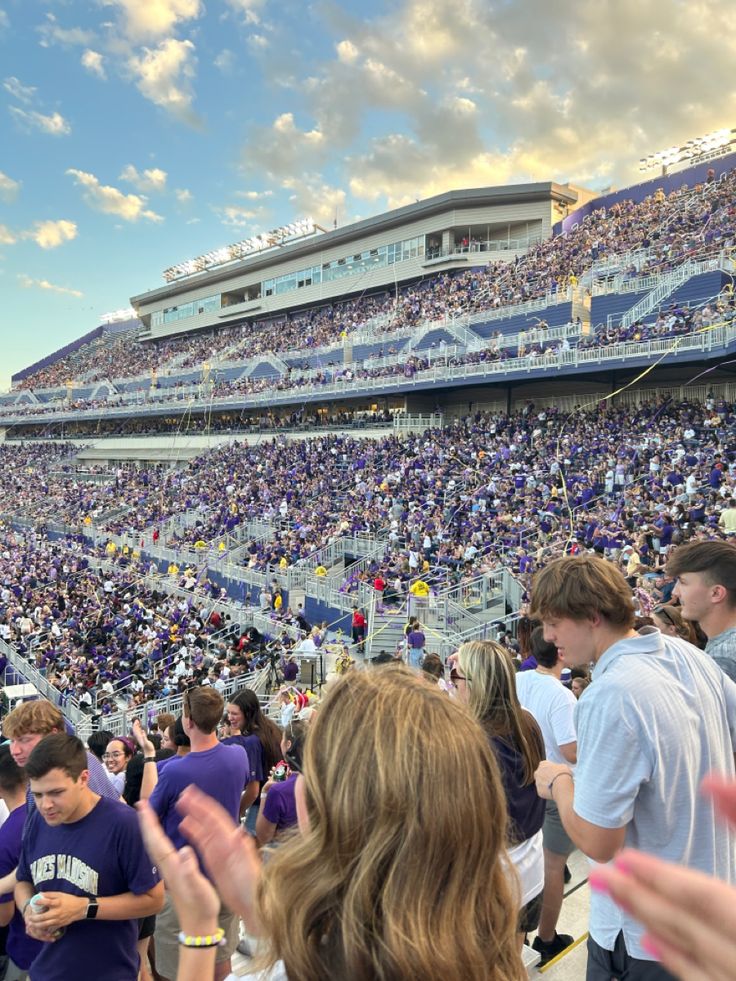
(149, 759)
(92, 907)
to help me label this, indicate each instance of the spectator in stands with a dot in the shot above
(100, 881)
(484, 676)
(642, 727)
(27, 725)
(668, 618)
(415, 644)
(116, 757)
(706, 589)
(20, 948)
(260, 738)
(222, 772)
(98, 741)
(324, 903)
(553, 706)
(278, 801)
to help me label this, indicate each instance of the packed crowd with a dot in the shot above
(697, 221)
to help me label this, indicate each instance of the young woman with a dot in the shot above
(278, 802)
(485, 679)
(400, 874)
(261, 739)
(118, 753)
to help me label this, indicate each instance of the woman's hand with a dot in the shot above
(230, 855)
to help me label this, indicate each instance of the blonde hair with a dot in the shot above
(402, 873)
(491, 679)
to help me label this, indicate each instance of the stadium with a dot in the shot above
(300, 442)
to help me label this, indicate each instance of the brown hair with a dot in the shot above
(204, 707)
(432, 666)
(164, 720)
(715, 560)
(405, 844)
(37, 717)
(581, 586)
(59, 751)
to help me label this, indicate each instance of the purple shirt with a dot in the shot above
(22, 948)
(100, 855)
(254, 751)
(221, 772)
(280, 804)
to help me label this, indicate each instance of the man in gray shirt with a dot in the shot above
(706, 589)
(658, 717)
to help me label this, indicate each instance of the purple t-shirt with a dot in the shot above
(416, 639)
(19, 946)
(254, 751)
(100, 855)
(280, 804)
(222, 772)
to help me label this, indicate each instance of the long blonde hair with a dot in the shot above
(402, 874)
(491, 679)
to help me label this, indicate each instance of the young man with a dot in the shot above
(658, 717)
(706, 588)
(542, 693)
(220, 771)
(27, 725)
(20, 948)
(84, 855)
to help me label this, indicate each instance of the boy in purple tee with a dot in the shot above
(84, 854)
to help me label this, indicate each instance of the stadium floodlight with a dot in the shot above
(301, 228)
(708, 147)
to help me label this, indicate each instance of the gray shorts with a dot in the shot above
(554, 836)
(167, 943)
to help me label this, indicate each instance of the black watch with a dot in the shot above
(92, 908)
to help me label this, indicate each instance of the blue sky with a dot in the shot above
(135, 134)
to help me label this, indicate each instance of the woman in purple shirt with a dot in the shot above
(278, 804)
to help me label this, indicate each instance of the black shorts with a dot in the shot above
(530, 914)
(146, 926)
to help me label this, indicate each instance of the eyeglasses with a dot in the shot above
(112, 756)
(455, 677)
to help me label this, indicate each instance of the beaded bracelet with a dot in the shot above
(216, 939)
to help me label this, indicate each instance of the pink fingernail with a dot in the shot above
(622, 864)
(651, 947)
(598, 884)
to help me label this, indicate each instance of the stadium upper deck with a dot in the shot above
(634, 259)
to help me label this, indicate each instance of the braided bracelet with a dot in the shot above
(216, 939)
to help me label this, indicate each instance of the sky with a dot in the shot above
(135, 134)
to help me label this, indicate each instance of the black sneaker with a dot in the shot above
(553, 947)
(567, 875)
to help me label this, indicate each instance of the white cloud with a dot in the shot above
(6, 236)
(93, 62)
(283, 148)
(153, 180)
(4, 21)
(8, 187)
(311, 196)
(235, 217)
(225, 61)
(53, 125)
(28, 283)
(258, 42)
(152, 19)
(110, 200)
(250, 9)
(51, 234)
(24, 93)
(52, 33)
(347, 52)
(253, 195)
(183, 196)
(165, 74)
